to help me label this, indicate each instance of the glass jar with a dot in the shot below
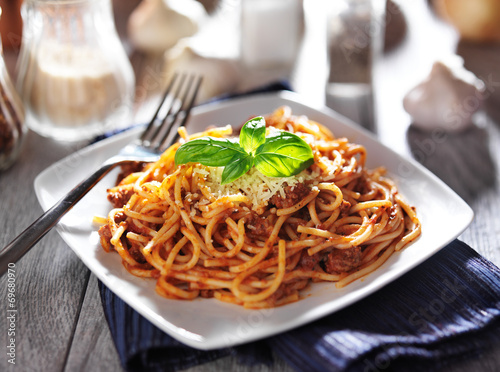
(74, 76)
(12, 127)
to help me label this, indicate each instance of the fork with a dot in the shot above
(160, 133)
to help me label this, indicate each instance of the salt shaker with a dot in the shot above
(270, 31)
(74, 76)
(12, 127)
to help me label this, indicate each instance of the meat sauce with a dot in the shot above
(119, 197)
(293, 194)
(336, 262)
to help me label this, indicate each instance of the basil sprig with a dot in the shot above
(281, 154)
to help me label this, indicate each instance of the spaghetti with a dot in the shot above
(258, 241)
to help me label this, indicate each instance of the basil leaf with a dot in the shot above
(236, 168)
(253, 134)
(209, 151)
(283, 155)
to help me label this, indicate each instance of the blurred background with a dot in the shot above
(321, 48)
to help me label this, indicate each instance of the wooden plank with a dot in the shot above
(484, 232)
(50, 279)
(92, 347)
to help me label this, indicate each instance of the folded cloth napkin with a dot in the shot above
(445, 309)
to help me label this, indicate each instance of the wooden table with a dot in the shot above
(60, 324)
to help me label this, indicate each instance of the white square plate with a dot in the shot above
(209, 323)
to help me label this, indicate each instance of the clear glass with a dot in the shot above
(74, 76)
(355, 37)
(12, 128)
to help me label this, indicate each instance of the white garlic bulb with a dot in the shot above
(157, 25)
(447, 99)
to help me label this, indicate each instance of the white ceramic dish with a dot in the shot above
(208, 323)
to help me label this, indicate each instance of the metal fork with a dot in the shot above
(160, 133)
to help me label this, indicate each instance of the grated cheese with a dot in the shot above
(258, 188)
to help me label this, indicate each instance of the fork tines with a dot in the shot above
(172, 112)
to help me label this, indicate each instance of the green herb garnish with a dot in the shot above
(281, 154)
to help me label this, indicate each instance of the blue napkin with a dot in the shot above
(445, 309)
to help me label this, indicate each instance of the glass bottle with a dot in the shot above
(74, 76)
(12, 127)
(355, 32)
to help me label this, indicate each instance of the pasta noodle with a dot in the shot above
(258, 242)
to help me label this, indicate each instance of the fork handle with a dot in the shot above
(29, 237)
